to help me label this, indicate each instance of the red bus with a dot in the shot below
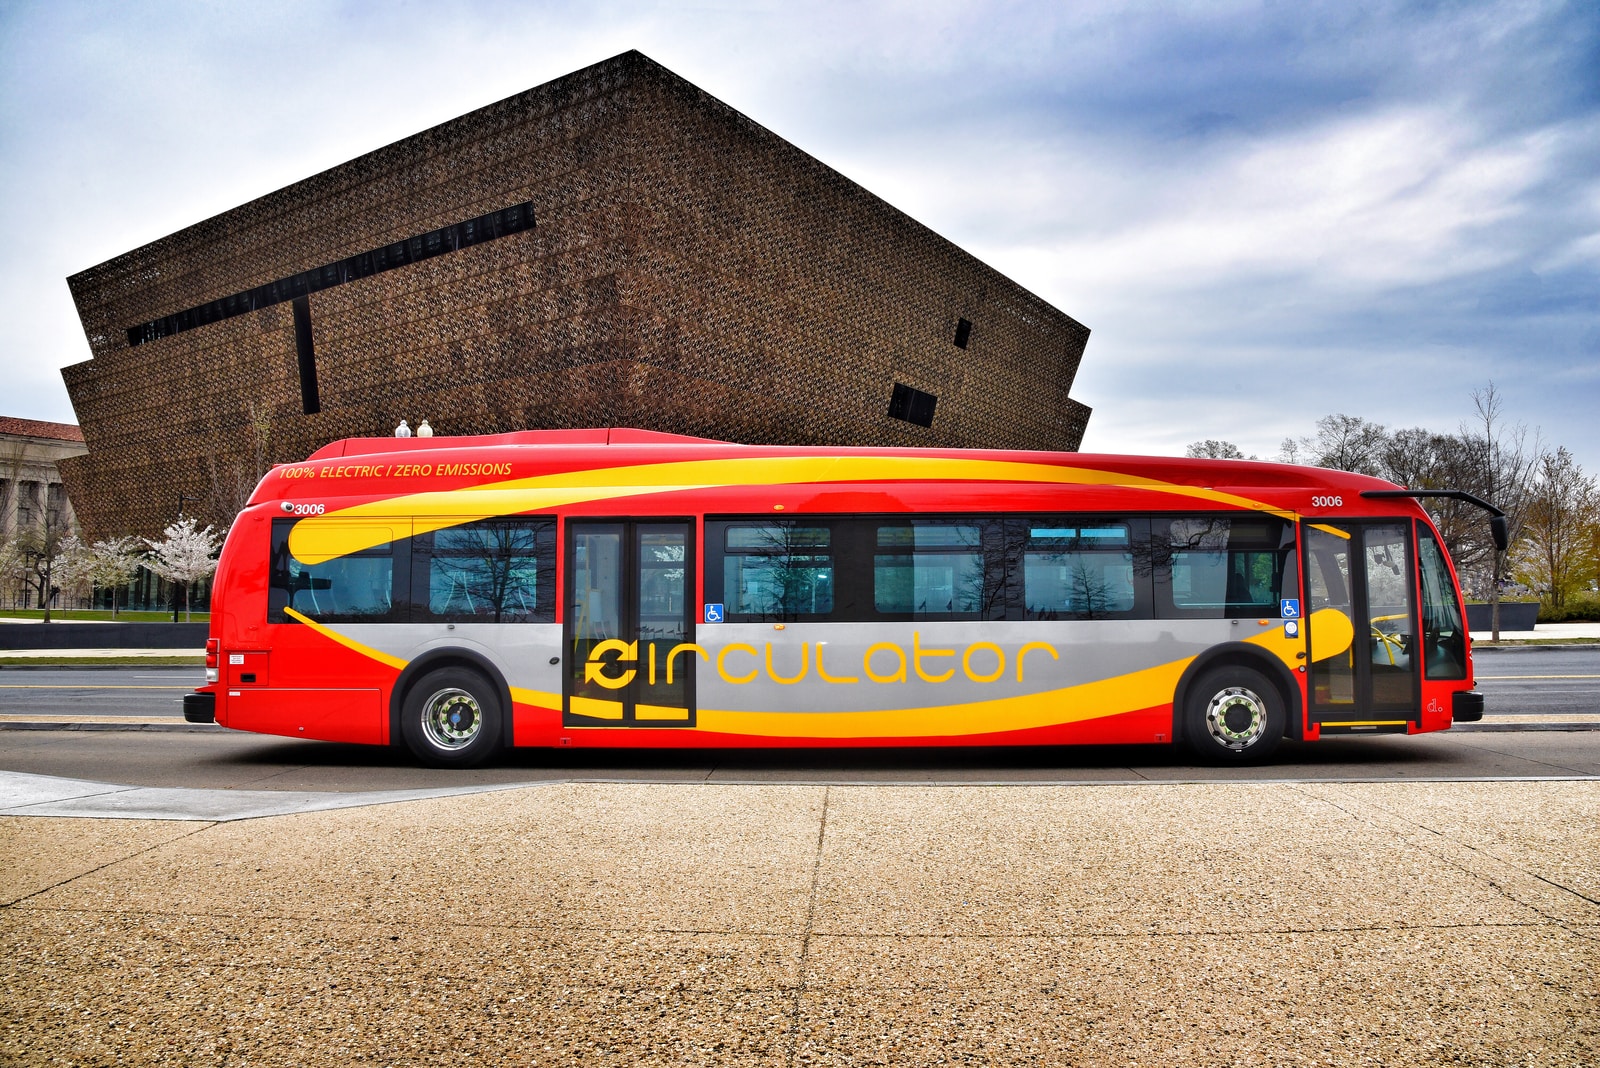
(630, 588)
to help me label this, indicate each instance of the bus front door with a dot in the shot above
(627, 615)
(1361, 583)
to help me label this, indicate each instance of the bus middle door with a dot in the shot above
(627, 610)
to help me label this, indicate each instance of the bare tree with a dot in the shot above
(1343, 442)
(1499, 462)
(234, 478)
(12, 571)
(1415, 458)
(1212, 449)
(41, 546)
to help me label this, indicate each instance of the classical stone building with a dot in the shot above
(32, 497)
(31, 491)
(613, 248)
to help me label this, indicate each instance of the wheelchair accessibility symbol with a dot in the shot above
(1289, 608)
(713, 613)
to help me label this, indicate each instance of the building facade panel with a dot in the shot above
(685, 270)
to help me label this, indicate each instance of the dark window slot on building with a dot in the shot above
(963, 331)
(451, 238)
(912, 405)
(308, 356)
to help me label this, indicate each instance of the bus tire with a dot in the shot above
(1234, 715)
(451, 718)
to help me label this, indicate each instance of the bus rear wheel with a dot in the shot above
(1234, 715)
(451, 718)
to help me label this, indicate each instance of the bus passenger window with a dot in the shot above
(926, 568)
(1078, 570)
(777, 570)
(357, 587)
(1225, 567)
(493, 571)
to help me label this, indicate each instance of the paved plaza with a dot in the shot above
(592, 923)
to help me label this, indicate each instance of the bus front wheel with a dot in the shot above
(451, 718)
(1234, 715)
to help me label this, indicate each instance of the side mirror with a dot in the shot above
(1500, 527)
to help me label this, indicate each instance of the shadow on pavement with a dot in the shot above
(1358, 757)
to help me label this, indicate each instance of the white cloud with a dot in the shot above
(1240, 200)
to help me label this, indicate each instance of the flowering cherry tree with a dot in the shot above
(186, 554)
(115, 560)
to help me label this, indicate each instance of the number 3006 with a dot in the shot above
(1327, 502)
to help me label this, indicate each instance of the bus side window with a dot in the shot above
(774, 570)
(490, 571)
(1080, 567)
(928, 569)
(1224, 566)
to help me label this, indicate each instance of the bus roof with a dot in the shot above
(388, 467)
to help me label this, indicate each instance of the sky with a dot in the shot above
(1265, 212)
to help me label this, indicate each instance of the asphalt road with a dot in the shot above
(1520, 683)
(90, 691)
(1529, 692)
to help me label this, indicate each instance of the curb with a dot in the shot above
(1532, 647)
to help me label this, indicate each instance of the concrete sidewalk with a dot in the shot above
(596, 924)
(1543, 632)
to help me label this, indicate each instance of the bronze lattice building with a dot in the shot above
(613, 248)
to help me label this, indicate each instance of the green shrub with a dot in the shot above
(1582, 609)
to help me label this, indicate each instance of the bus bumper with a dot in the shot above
(1466, 706)
(200, 707)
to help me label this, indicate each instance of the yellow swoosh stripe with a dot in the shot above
(349, 643)
(320, 538)
(537, 698)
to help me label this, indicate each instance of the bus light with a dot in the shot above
(213, 658)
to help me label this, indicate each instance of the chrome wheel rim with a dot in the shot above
(451, 719)
(1236, 718)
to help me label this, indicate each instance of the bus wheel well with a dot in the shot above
(1238, 654)
(443, 658)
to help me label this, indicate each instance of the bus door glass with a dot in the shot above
(1361, 582)
(629, 592)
